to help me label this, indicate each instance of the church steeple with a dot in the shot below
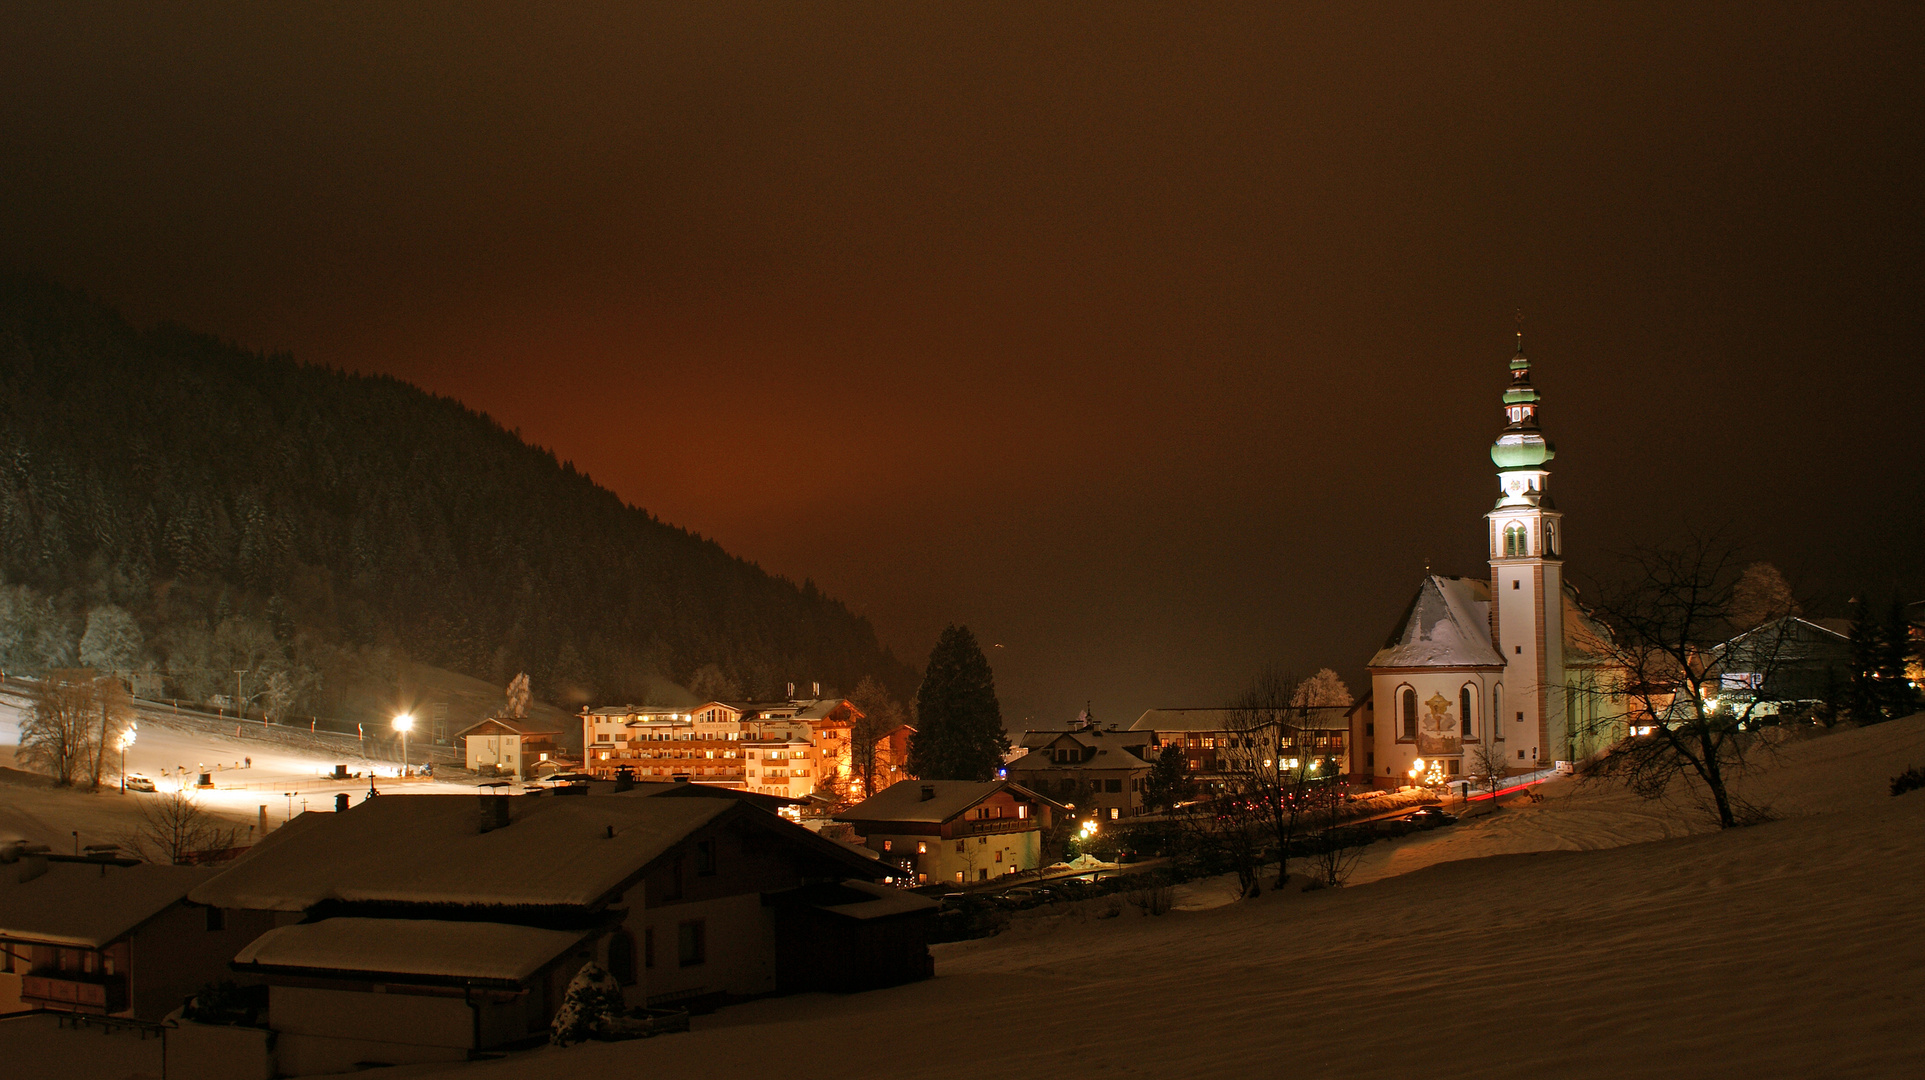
(1521, 451)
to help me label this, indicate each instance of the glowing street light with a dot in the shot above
(126, 740)
(403, 724)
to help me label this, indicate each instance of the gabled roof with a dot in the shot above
(1106, 757)
(903, 801)
(1785, 641)
(1447, 625)
(416, 950)
(557, 851)
(81, 905)
(501, 725)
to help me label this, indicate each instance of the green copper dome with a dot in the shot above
(1522, 450)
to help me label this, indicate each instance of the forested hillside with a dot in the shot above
(179, 506)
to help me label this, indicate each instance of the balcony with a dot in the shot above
(73, 995)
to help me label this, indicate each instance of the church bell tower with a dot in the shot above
(1527, 579)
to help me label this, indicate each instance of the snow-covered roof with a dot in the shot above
(506, 726)
(859, 899)
(429, 949)
(87, 906)
(1104, 758)
(1314, 717)
(429, 849)
(1447, 625)
(1037, 738)
(903, 801)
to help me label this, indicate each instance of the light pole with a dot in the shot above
(403, 724)
(126, 740)
(240, 710)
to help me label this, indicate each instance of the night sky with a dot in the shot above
(1153, 344)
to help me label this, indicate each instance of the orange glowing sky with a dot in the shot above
(1154, 344)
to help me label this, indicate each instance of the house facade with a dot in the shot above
(1087, 768)
(108, 937)
(953, 831)
(791, 749)
(1217, 744)
(421, 929)
(500, 746)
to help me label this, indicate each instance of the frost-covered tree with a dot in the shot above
(1761, 595)
(75, 716)
(710, 683)
(959, 723)
(519, 698)
(1326, 687)
(592, 1000)
(112, 640)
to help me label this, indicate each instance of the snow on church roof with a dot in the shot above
(1447, 625)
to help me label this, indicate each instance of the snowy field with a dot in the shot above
(1591, 935)
(248, 774)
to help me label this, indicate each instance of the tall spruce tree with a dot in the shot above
(959, 724)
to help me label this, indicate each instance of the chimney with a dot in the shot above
(928, 792)
(791, 691)
(624, 779)
(815, 689)
(494, 810)
(341, 802)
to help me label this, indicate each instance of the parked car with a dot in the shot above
(139, 783)
(1429, 817)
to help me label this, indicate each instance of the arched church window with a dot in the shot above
(1515, 542)
(1464, 701)
(1550, 539)
(1409, 710)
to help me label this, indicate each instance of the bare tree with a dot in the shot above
(881, 714)
(174, 829)
(1336, 849)
(1489, 763)
(73, 717)
(111, 713)
(1667, 617)
(1273, 770)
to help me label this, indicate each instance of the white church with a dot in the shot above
(1507, 669)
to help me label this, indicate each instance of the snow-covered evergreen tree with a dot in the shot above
(112, 640)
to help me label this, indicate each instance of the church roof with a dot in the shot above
(1447, 625)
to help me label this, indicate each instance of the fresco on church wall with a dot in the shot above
(1437, 731)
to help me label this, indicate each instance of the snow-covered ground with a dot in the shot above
(248, 774)
(1590, 935)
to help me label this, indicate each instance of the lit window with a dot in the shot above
(922, 847)
(888, 845)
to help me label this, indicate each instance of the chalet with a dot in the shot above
(427, 927)
(508, 747)
(1088, 767)
(108, 937)
(954, 831)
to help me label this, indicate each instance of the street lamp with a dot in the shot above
(403, 724)
(126, 740)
